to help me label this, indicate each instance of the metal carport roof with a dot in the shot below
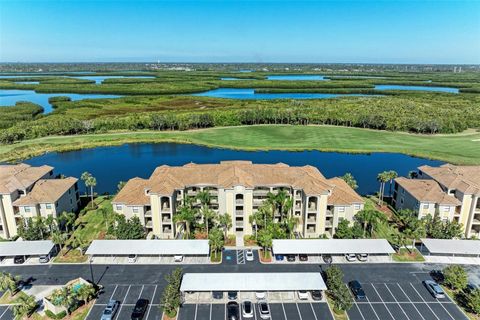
(448, 246)
(148, 247)
(262, 281)
(332, 246)
(25, 248)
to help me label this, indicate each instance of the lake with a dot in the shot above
(120, 163)
(236, 93)
(10, 97)
(99, 79)
(417, 88)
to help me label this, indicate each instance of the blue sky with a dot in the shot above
(241, 31)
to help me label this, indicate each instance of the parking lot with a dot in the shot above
(149, 260)
(6, 313)
(278, 311)
(402, 301)
(128, 295)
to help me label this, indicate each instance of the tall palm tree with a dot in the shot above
(272, 202)
(392, 174)
(50, 221)
(68, 218)
(186, 215)
(225, 221)
(207, 214)
(25, 306)
(382, 177)
(350, 180)
(204, 198)
(59, 238)
(9, 282)
(68, 299)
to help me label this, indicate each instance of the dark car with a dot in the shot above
(303, 257)
(233, 311)
(232, 295)
(217, 295)
(19, 259)
(316, 295)
(357, 290)
(437, 276)
(291, 258)
(279, 257)
(139, 309)
(327, 258)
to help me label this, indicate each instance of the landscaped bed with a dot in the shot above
(408, 255)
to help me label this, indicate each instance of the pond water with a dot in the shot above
(231, 78)
(296, 77)
(236, 93)
(99, 79)
(120, 163)
(27, 82)
(416, 88)
(10, 97)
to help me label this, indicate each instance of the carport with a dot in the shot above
(449, 247)
(148, 251)
(198, 286)
(314, 248)
(37, 248)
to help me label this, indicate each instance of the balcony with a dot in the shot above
(329, 213)
(213, 193)
(191, 193)
(166, 220)
(328, 224)
(167, 230)
(149, 225)
(239, 213)
(260, 192)
(310, 230)
(148, 213)
(312, 220)
(239, 201)
(239, 224)
(312, 208)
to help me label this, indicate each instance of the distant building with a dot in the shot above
(238, 188)
(27, 191)
(451, 191)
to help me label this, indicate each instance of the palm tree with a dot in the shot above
(216, 240)
(207, 215)
(350, 180)
(369, 218)
(225, 221)
(382, 177)
(68, 218)
(186, 215)
(85, 293)
(67, 299)
(90, 182)
(272, 202)
(9, 282)
(50, 222)
(391, 175)
(204, 197)
(59, 238)
(25, 306)
(290, 223)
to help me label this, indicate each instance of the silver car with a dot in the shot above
(434, 288)
(110, 310)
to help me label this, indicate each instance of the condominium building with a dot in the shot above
(238, 188)
(451, 191)
(27, 191)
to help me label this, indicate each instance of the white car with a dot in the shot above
(132, 258)
(264, 310)
(302, 295)
(249, 255)
(350, 257)
(178, 258)
(260, 295)
(247, 309)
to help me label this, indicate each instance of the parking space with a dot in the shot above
(278, 311)
(6, 313)
(128, 295)
(149, 260)
(402, 301)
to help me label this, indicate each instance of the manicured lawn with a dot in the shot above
(405, 256)
(72, 256)
(7, 299)
(462, 148)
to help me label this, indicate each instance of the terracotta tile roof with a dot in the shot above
(427, 190)
(343, 193)
(20, 176)
(463, 178)
(46, 191)
(227, 174)
(133, 193)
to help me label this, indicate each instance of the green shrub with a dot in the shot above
(57, 316)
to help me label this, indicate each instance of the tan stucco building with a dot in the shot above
(239, 188)
(451, 191)
(27, 191)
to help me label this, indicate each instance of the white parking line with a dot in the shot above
(425, 302)
(371, 306)
(210, 311)
(111, 297)
(4, 312)
(284, 313)
(359, 311)
(446, 309)
(421, 315)
(299, 313)
(196, 308)
(150, 306)
(314, 314)
(121, 304)
(254, 311)
(140, 294)
(391, 315)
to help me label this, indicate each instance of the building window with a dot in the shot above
(446, 209)
(27, 209)
(135, 209)
(403, 191)
(118, 207)
(425, 206)
(69, 191)
(56, 204)
(401, 200)
(341, 209)
(357, 206)
(48, 206)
